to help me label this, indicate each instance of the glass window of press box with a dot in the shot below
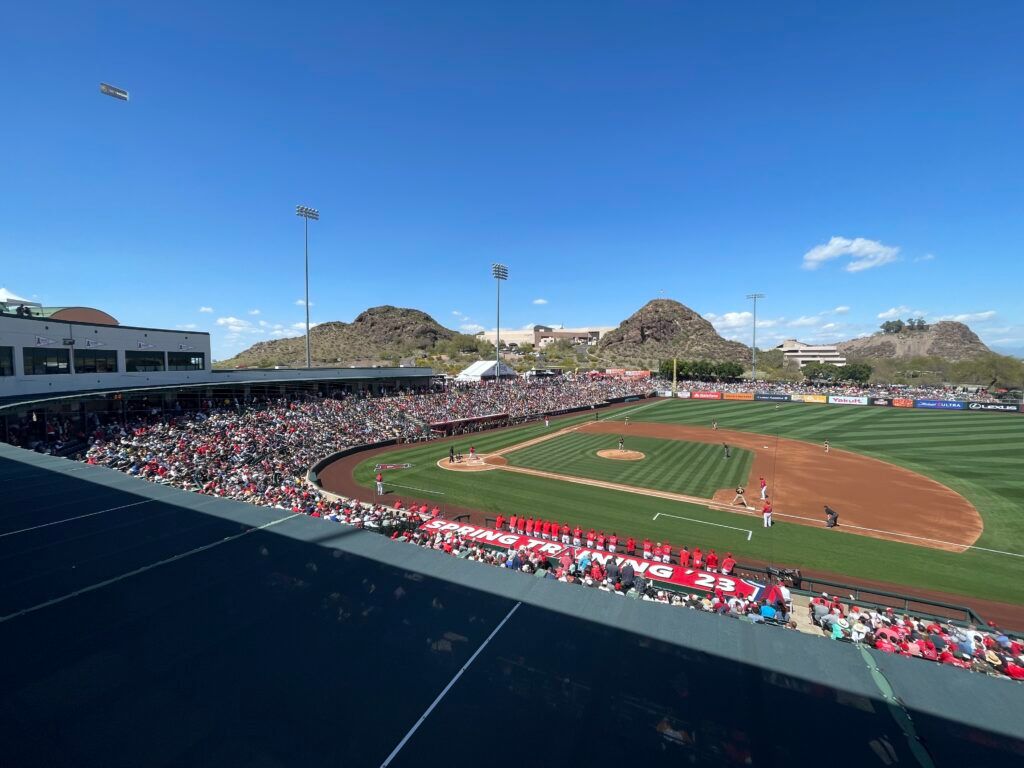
(140, 362)
(43, 361)
(186, 361)
(6, 361)
(95, 361)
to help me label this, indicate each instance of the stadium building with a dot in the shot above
(802, 354)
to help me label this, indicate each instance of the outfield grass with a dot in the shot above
(975, 454)
(677, 466)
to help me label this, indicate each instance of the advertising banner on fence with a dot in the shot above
(706, 395)
(847, 400)
(637, 374)
(944, 405)
(902, 402)
(675, 575)
(737, 395)
(775, 397)
(881, 401)
(809, 398)
(1002, 407)
(685, 394)
(614, 371)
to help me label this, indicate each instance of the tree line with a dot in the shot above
(898, 326)
(701, 370)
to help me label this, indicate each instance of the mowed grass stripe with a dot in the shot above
(670, 465)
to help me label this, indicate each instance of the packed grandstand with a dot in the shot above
(259, 451)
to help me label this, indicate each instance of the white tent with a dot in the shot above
(6, 297)
(485, 369)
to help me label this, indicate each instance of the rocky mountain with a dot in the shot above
(945, 339)
(663, 329)
(378, 335)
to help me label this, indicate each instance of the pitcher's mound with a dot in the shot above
(615, 453)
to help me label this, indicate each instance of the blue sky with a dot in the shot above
(850, 162)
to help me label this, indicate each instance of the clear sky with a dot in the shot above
(852, 161)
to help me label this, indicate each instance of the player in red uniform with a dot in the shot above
(684, 557)
(499, 522)
(712, 561)
(577, 536)
(545, 530)
(647, 549)
(529, 526)
(698, 558)
(728, 564)
(613, 542)
(512, 523)
(565, 533)
(631, 546)
(590, 538)
(600, 540)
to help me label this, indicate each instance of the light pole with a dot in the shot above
(499, 272)
(307, 213)
(753, 346)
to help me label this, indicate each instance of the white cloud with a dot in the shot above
(264, 324)
(841, 310)
(457, 313)
(540, 301)
(901, 311)
(471, 328)
(186, 326)
(236, 326)
(770, 322)
(863, 253)
(302, 303)
(926, 257)
(829, 326)
(301, 327)
(254, 311)
(730, 320)
(206, 309)
(804, 321)
(970, 317)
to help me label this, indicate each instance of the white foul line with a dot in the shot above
(410, 488)
(137, 571)
(70, 519)
(452, 682)
(747, 531)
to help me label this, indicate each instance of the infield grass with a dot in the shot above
(978, 455)
(677, 466)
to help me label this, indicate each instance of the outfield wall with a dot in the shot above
(854, 400)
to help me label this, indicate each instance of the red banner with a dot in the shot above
(902, 402)
(637, 374)
(675, 575)
(705, 395)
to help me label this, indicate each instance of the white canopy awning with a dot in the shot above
(6, 297)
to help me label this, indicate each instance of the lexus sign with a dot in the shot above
(1011, 407)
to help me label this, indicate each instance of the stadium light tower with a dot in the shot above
(499, 272)
(307, 213)
(753, 346)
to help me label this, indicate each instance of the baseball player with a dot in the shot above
(725, 451)
(626, 421)
(764, 489)
(472, 453)
(451, 454)
(380, 484)
(826, 446)
(714, 424)
(740, 490)
(766, 513)
(622, 443)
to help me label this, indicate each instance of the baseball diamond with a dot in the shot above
(915, 509)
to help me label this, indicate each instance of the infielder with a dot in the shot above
(764, 489)
(826, 446)
(739, 496)
(380, 484)
(622, 443)
(766, 513)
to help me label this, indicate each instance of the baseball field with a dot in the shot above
(930, 500)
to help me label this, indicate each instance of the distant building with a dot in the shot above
(543, 335)
(793, 350)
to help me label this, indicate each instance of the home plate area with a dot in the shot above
(478, 463)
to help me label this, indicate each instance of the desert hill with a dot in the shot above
(945, 339)
(380, 334)
(663, 329)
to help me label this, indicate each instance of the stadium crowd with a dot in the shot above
(988, 651)
(258, 451)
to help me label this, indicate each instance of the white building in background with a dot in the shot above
(810, 353)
